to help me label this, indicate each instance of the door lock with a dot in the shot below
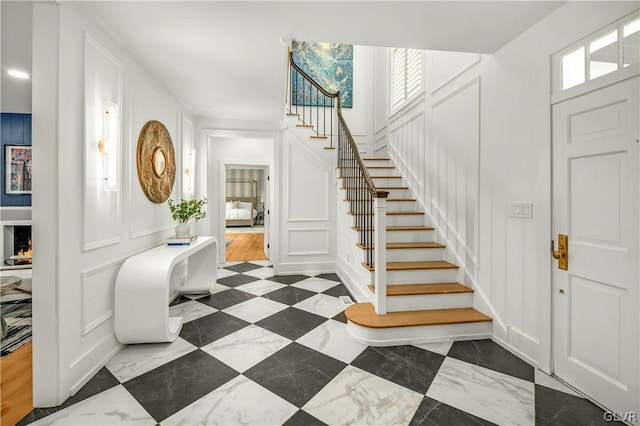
(562, 254)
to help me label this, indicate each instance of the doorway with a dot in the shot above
(246, 199)
(595, 301)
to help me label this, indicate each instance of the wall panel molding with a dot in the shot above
(93, 315)
(312, 246)
(101, 208)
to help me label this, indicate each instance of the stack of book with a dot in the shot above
(174, 241)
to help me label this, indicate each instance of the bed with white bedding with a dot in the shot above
(240, 211)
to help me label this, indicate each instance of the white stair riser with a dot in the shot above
(419, 302)
(402, 206)
(405, 220)
(414, 255)
(415, 276)
(397, 193)
(382, 172)
(419, 334)
(409, 236)
(377, 162)
(387, 181)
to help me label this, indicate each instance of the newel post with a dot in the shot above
(380, 253)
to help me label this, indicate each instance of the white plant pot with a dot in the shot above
(183, 230)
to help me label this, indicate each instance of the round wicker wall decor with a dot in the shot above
(156, 160)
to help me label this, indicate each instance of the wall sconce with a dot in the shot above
(109, 145)
(189, 174)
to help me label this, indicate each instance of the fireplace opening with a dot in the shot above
(22, 244)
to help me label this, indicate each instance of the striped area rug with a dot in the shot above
(15, 306)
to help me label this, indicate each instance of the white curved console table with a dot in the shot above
(143, 286)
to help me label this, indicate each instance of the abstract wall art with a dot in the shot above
(18, 169)
(331, 65)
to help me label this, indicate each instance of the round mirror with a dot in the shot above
(159, 161)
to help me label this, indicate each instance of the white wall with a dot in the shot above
(478, 139)
(237, 151)
(85, 233)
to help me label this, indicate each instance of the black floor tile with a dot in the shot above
(243, 267)
(227, 298)
(408, 366)
(341, 317)
(205, 330)
(289, 295)
(332, 277)
(236, 280)
(561, 409)
(295, 373)
(291, 323)
(337, 291)
(288, 279)
(489, 354)
(172, 386)
(102, 381)
(435, 413)
(302, 418)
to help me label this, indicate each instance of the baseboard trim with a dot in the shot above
(312, 268)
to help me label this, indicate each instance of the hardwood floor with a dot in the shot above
(249, 246)
(16, 385)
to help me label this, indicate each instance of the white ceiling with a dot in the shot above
(224, 59)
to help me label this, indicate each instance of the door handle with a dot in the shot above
(562, 254)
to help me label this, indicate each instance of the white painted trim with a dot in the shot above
(85, 379)
(515, 351)
(455, 233)
(599, 83)
(9, 208)
(310, 252)
(312, 268)
(87, 328)
(151, 231)
(419, 98)
(360, 293)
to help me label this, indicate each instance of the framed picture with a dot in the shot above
(18, 169)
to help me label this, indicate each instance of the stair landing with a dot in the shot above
(365, 315)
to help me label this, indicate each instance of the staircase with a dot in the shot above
(421, 299)
(424, 300)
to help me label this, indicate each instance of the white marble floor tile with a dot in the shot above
(321, 304)
(544, 379)
(331, 339)
(238, 402)
(217, 288)
(260, 287)
(485, 393)
(357, 397)
(190, 310)
(246, 347)
(315, 284)
(254, 310)
(115, 406)
(260, 273)
(441, 348)
(135, 360)
(224, 273)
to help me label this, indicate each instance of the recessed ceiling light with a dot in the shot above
(18, 74)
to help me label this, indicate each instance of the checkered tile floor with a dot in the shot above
(270, 350)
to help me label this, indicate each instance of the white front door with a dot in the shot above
(596, 324)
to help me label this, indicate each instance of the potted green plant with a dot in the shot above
(183, 212)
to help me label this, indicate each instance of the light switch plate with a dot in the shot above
(522, 210)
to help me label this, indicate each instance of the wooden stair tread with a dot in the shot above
(292, 114)
(306, 126)
(375, 159)
(364, 314)
(318, 137)
(414, 289)
(329, 147)
(419, 245)
(416, 265)
(386, 177)
(399, 228)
